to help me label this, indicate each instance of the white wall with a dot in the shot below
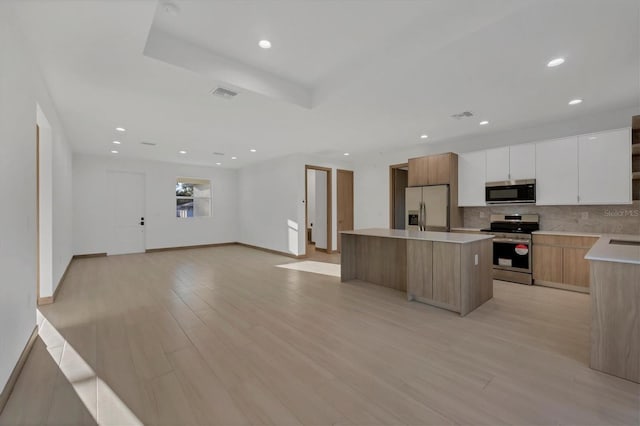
(21, 89)
(271, 204)
(371, 171)
(162, 227)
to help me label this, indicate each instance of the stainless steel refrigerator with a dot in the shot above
(427, 208)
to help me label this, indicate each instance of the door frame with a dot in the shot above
(392, 192)
(338, 245)
(308, 167)
(38, 214)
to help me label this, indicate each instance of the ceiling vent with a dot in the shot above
(148, 143)
(464, 114)
(223, 93)
(218, 153)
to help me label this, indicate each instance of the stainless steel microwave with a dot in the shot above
(511, 192)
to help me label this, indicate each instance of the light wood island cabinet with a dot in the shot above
(448, 270)
(615, 306)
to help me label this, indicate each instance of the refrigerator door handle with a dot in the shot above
(422, 222)
(424, 216)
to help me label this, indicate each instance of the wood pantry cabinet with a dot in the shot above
(440, 169)
(558, 261)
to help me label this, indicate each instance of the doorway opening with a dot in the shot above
(44, 209)
(398, 183)
(318, 210)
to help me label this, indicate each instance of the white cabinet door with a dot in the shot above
(497, 164)
(604, 165)
(522, 161)
(557, 171)
(471, 178)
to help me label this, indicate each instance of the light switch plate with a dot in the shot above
(475, 259)
(585, 215)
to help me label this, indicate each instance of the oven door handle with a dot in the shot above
(511, 240)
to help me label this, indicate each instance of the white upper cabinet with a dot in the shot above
(604, 164)
(511, 163)
(557, 171)
(522, 161)
(497, 164)
(471, 178)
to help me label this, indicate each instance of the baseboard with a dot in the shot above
(568, 287)
(281, 253)
(85, 256)
(13, 378)
(323, 250)
(50, 299)
(155, 250)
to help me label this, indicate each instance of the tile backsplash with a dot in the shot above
(614, 219)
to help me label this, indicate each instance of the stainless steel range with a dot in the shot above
(512, 246)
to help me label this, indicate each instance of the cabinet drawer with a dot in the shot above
(565, 240)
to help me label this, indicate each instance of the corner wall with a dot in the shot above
(21, 89)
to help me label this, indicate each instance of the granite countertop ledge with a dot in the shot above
(604, 251)
(568, 233)
(444, 237)
(467, 229)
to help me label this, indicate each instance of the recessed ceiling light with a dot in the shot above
(218, 164)
(182, 152)
(555, 62)
(484, 123)
(265, 44)
(346, 154)
(234, 158)
(575, 101)
(121, 129)
(592, 138)
(424, 136)
(114, 152)
(116, 142)
(252, 150)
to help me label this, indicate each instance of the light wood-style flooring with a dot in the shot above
(221, 336)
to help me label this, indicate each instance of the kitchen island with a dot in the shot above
(448, 270)
(615, 305)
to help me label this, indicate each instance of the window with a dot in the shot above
(193, 197)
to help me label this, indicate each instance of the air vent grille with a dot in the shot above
(218, 153)
(148, 143)
(464, 114)
(223, 93)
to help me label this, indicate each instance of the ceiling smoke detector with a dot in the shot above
(223, 93)
(464, 114)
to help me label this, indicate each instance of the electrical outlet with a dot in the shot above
(482, 215)
(585, 215)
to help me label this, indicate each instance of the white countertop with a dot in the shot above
(567, 233)
(604, 251)
(444, 237)
(466, 229)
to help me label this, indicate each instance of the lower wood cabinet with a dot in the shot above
(419, 268)
(558, 261)
(446, 274)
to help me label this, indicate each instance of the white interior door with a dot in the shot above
(127, 195)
